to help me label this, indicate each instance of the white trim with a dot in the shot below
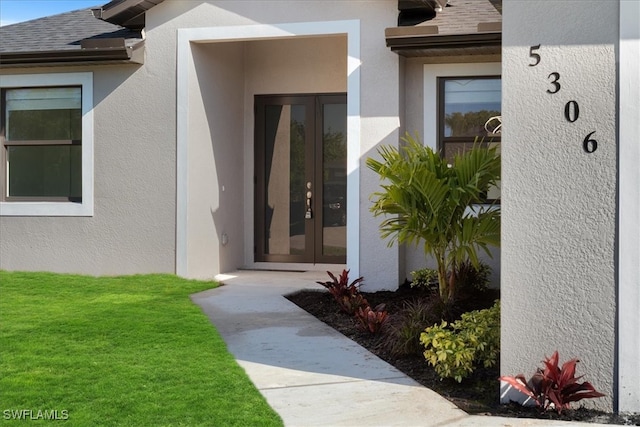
(629, 210)
(60, 208)
(186, 36)
(185, 59)
(431, 74)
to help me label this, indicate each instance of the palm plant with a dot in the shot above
(425, 199)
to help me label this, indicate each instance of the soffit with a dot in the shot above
(127, 13)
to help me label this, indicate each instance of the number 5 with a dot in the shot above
(534, 55)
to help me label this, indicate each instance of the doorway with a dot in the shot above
(301, 178)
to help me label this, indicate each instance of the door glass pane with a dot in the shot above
(334, 177)
(45, 171)
(285, 179)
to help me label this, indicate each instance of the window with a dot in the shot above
(43, 143)
(46, 143)
(469, 110)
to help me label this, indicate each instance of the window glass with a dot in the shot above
(43, 151)
(470, 113)
(468, 104)
(44, 114)
(45, 171)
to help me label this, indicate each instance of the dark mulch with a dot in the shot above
(478, 394)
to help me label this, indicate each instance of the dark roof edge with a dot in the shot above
(399, 42)
(126, 13)
(109, 55)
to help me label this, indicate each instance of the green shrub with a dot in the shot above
(468, 276)
(455, 349)
(424, 278)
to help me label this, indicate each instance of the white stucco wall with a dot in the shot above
(559, 202)
(215, 158)
(132, 227)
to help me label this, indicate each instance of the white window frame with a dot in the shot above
(431, 74)
(84, 208)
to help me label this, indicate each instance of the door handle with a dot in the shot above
(309, 213)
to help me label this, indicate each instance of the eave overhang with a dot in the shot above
(85, 56)
(425, 41)
(126, 13)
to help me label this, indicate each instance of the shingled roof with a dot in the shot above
(470, 27)
(68, 38)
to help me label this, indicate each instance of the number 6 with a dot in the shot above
(590, 145)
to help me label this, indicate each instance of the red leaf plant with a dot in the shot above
(372, 320)
(346, 294)
(554, 385)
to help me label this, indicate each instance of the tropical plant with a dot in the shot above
(454, 349)
(346, 294)
(425, 199)
(352, 302)
(554, 385)
(372, 320)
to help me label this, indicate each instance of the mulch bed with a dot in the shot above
(478, 394)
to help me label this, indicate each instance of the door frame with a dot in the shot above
(314, 230)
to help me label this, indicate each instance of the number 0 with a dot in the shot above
(567, 111)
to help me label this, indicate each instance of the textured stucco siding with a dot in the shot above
(132, 229)
(559, 202)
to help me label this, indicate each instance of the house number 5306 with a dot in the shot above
(571, 108)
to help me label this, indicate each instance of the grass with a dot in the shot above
(118, 351)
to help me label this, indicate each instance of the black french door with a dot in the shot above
(301, 178)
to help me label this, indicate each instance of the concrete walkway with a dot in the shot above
(311, 374)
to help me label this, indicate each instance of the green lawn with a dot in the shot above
(118, 351)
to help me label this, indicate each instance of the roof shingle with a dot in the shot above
(61, 32)
(463, 16)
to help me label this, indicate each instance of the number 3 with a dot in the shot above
(556, 85)
(535, 56)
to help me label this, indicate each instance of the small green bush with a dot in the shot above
(424, 278)
(455, 349)
(468, 277)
